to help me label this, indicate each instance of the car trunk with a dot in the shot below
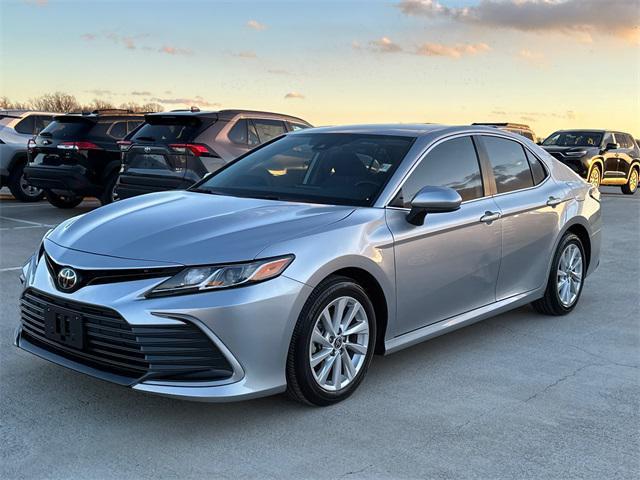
(162, 155)
(63, 142)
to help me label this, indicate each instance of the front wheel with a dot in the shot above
(566, 278)
(63, 201)
(332, 344)
(595, 177)
(632, 185)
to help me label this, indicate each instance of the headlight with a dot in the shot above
(198, 279)
(576, 153)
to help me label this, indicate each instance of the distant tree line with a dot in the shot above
(60, 102)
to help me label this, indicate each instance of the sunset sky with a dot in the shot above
(551, 64)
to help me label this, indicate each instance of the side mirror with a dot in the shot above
(433, 200)
(611, 146)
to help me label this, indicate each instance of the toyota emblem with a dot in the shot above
(147, 149)
(67, 278)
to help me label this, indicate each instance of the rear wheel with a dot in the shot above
(595, 177)
(332, 344)
(21, 189)
(64, 200)
(566, 278)
(109, 195)
(632, 185)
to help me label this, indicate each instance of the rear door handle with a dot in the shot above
(553, 201)
(489, 217)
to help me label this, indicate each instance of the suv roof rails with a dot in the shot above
(191, 109)
(502, 124)
(102, 111)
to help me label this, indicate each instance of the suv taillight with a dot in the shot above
(78, 146)
(196, 149)
(124, 145)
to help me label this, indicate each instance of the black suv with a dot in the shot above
(601, 157)
(173, 150)
(77, 155)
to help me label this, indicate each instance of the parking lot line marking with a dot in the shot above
(27, 222)
(23, 228)
(10, 269)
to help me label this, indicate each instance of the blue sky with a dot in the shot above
(337, 62)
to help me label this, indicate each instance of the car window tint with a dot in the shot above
(268, 129)
(26, 125)
(454, 164)
(510, 165)
(132, 125)
(41, 121)
(118, 130)
(238, 133)
(297, 126)
(253, 134)
(537, 169)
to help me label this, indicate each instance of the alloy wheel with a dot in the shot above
(339, 343)
(569, 275)
(633, 181)
(27, 189)
(594, 177)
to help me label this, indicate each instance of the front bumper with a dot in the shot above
(67, 178)
(251, 325)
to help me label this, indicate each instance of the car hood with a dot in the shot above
(189, 228)
(556, 149)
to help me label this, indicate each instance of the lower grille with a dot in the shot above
(110, 344)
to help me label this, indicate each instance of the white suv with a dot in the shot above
(16, 128)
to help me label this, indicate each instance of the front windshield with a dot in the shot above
(330, 168)
(574, 139)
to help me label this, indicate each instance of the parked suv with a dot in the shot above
(78, 155)
(16, 128)
(173, 150)
(517, 128)
(602, 157)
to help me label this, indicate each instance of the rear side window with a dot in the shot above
(510, 164)
(41, 121)
(117, 130)
(454, 164)
(294, 127)
(133, 124)
(168, 130)
(268, 129)
(244, 133)
(67, 129)
(26, 125)
(537, 169)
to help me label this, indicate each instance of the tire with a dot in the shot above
(553, 302)
(632, 185)
(595, 176)
(20, 189)
(303, 380)
(63, 201)
(109, 194)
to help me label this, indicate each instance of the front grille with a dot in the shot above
(161, 352)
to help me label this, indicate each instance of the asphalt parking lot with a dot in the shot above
(517, 396)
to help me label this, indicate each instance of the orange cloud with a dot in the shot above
(294, 95)
(452, 51)
(256, 25)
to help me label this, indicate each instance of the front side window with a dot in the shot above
(329, 168)
(294, 127)
(454, 164)
(269, 129)
(510, 165)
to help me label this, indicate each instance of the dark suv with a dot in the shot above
(77, 155)
(602, 157)
(173, 150)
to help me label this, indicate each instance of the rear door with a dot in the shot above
(531, 206)
(163, 151)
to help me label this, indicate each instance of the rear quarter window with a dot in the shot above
(26, 125)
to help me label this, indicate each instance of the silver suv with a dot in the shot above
(17, 127)
(174, 150)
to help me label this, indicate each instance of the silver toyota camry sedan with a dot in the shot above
(290, 267)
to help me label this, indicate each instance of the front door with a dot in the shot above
(449, 265)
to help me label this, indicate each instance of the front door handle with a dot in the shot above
(553, 201)
(489, 217)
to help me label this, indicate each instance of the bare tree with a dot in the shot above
(55, 102)
(99, 104)
(7, 104)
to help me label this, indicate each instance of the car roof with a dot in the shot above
(17, 113)
(227, 114)
(504, 124)
(401, 129)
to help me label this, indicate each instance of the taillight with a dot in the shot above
(78, 146)
(124, 145)
(195, 148)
